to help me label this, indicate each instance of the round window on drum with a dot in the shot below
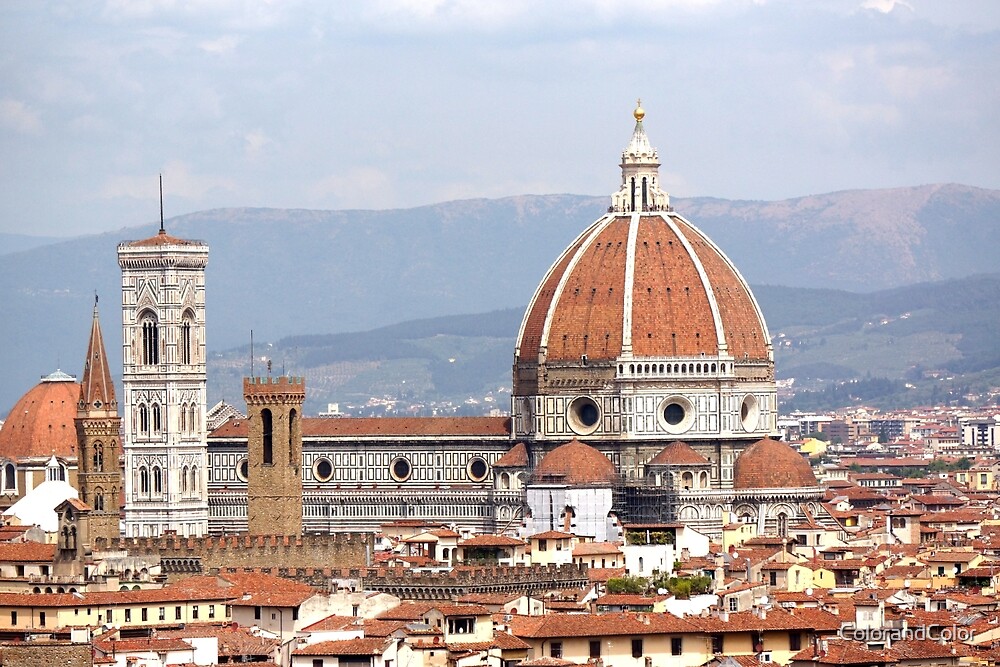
(400, 469)
(322, 469)
(584, 415)
(477, 469)
(750, 413)
(243, 470)
(676, 414)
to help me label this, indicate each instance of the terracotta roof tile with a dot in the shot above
(678, 453)
(574, 464)
(772, 464)
(362, 646)
(516, 457)
(41, 423)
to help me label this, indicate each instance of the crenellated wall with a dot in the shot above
(252, 551)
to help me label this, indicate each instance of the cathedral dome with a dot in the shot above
(640, 284)
(41, 423)
(576, 464)
(772, 464)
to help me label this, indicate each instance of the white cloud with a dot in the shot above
(223, 45)
(255, 141)
(885, 6)
(16, 115)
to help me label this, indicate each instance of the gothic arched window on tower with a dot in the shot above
(157, 421)
(184, 412)
(186, 339)
(150, 340)
(268, 436)
(99, 499)
(143, 419)
(9, 478)
(184, 480)
(144, 481)
(157, 480)
(293, 423)
(98, 456)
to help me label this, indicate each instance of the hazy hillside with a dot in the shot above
(287, 272)
(937, 337)
(11, 243)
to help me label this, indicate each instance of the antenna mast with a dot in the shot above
(161, 204)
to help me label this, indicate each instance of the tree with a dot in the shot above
(628, 584)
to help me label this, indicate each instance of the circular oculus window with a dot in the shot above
(400, 469)
(323, 469)
(750, 413)
(675, 414)
(478, 469)
(243, 469)
(584, 415)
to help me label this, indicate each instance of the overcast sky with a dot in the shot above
(398, 103)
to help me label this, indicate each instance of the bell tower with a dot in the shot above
(164, 382)
(274, 443)
(98, 429)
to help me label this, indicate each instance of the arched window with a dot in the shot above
(293, 423)
(143, 420)
(195, 481)
(99, 499)
(184, 414)
(98, 456)
(268, 436)
(157, 480)
(782, 525)
(644, 194)
(687, 480)
(144, 481)
(9, 479)
(150, 340)
(192, 420)
(157, 422)
(632, 206)
(184, 480)
(186, 339)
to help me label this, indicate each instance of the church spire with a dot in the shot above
(97, 391)
(640, 190)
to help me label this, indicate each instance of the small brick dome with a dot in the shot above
(41, 423)
(772, 464)
(576, 464)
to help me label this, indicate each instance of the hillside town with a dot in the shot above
(906, 575)
(643, 503)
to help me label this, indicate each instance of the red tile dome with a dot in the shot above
(576, 464)
(640, 284)
(686, 298)
(772, 464)
(41, 423)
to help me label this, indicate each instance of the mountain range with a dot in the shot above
(295, 272)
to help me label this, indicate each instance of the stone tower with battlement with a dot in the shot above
(274, 472)
(98, 429)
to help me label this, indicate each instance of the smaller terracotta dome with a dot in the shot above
(41, 423)
(516, 457)
(576, 464)
(678, 453)
(772, 464)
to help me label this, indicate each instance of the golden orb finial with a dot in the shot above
(639, 112)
